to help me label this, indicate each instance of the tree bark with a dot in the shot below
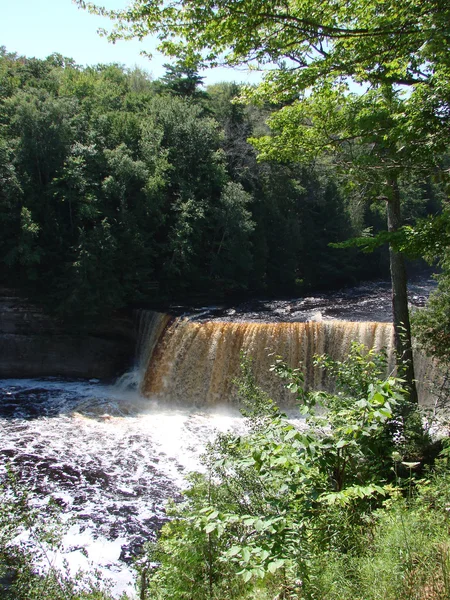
(400, 311)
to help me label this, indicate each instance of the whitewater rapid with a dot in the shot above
(108, 457)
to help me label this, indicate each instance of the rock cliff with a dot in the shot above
(32, 344)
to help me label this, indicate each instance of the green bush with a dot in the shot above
(406, 554)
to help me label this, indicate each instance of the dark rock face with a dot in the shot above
(32, 344)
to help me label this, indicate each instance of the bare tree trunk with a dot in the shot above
(400, 312)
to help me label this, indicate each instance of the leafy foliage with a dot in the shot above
(405, 554)
(432, 324)
(116, 190)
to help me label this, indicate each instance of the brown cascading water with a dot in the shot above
(196, 363)
(150, 327)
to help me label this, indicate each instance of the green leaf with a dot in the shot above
(290, 434)
(275, 565)
(247, 575)
(233, 551)
(259, 525)
(246, 555)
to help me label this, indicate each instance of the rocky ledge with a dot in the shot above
(32, 344)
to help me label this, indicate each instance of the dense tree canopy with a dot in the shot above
(116, 191)
(393, 42)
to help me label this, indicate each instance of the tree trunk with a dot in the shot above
(400, 312)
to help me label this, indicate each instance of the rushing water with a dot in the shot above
(198, 362)
(195, 357)
(109, 457)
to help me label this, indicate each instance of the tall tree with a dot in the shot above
(182, 78)
(370, 139)
(322, 45)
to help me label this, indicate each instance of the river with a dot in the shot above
(109, 457)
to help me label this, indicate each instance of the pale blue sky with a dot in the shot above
(40, 27)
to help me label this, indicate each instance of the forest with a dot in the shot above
(118, 191)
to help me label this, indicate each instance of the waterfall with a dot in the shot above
(195, 363)
(149, 327)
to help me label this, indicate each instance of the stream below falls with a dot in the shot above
(108, 457)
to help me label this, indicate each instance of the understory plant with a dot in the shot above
(406, 554)
(274, 501)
